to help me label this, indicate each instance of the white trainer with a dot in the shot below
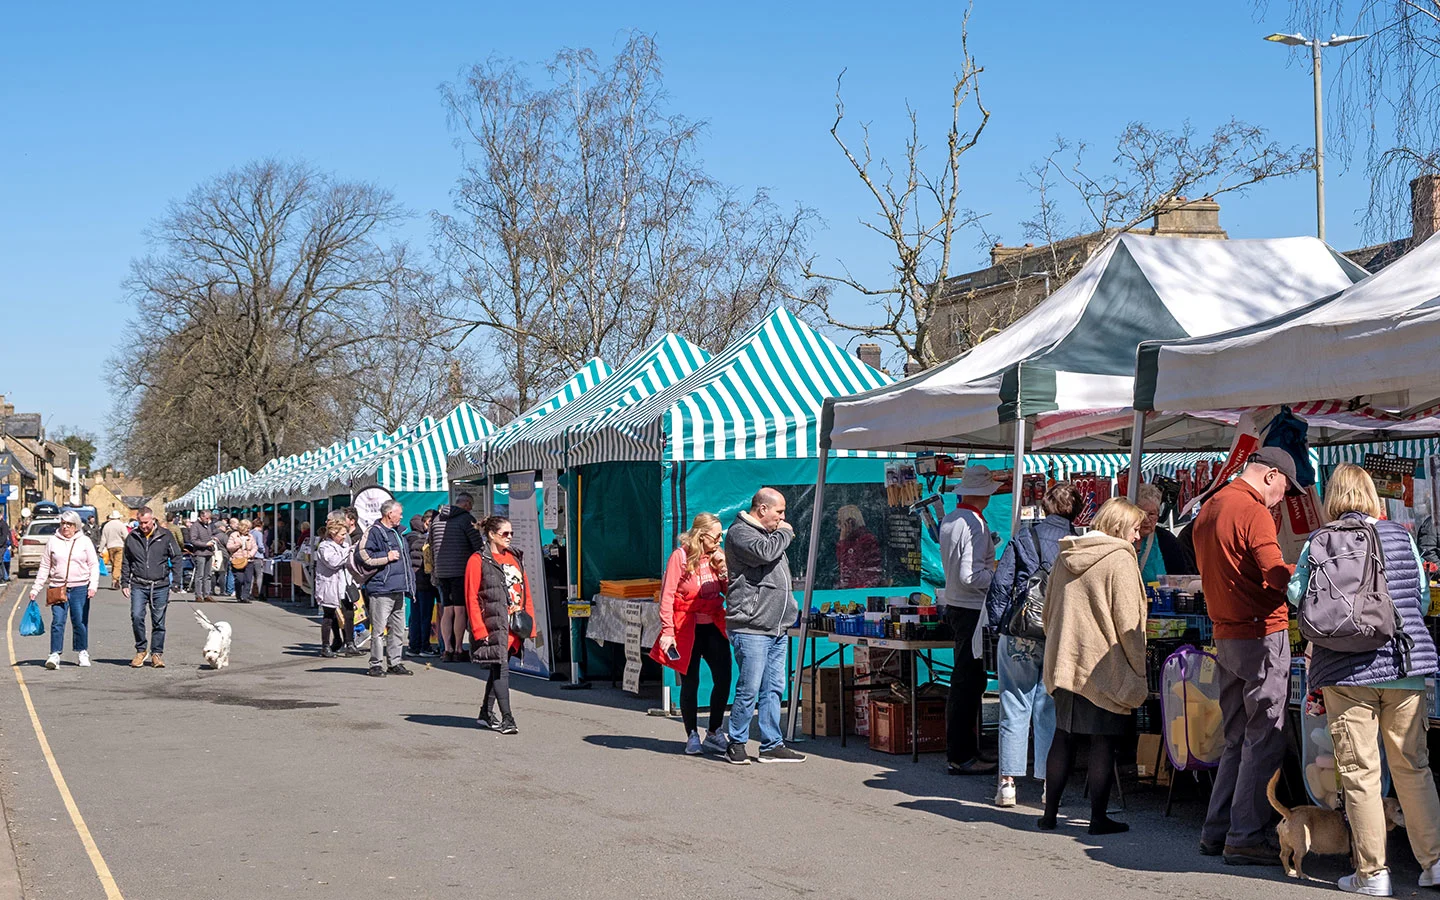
(85, 658)
(1005, 795)
(52, 661)
(1377, 885)
(1430, 877)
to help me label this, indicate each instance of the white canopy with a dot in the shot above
(1374, 343)
(1076, 350)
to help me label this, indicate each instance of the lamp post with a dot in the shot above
(1316, 45)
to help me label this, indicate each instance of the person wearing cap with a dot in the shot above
(967, 552)
(1245, 577)
(112, 545)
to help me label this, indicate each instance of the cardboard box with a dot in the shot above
(823, 685)
(827, 720)
(878, 665)
(1151, 760)
(861, 710)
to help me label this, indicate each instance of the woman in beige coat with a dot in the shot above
(1094, 654)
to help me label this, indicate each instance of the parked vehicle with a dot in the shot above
(32, 545)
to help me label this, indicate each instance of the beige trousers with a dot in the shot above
(1360, 717)
(113, 558)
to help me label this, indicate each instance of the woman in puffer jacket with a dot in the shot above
(502, 616)
(1378, 696)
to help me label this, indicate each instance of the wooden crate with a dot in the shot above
(890, 725)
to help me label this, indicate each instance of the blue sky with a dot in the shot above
(113, 110)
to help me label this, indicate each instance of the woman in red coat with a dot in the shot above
(502, 616)
(692, 628)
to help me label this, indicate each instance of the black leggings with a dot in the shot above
(497, 685)
(1062, 761)
(332, 628)
(711, 646)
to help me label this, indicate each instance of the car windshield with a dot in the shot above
(42, 528)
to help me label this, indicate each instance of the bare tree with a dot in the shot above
(584, 224)
(1384, 94)
(263, 287)
(919, 217)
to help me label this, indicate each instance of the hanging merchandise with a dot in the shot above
(1394, 476)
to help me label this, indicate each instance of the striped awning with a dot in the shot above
(469, 460)
(1355, 453)
(1108, 465)
(419, 464)
(758, 399)
(542, 443)
(337, 477)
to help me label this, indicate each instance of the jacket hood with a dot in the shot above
(1079, 554)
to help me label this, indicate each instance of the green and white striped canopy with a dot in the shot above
(1109, 465)
(541, 443)
(419, 464)
(758, 399)
(206, 494)
(336, 478)
(1355, 453)
(469, 460)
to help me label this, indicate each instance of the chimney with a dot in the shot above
(869, 354)
(1424, 208)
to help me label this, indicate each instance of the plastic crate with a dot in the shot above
(1148, 718)
(1156, 652)
(890, 725)
(1297, 682)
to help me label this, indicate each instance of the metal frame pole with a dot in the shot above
(1019, 480)
(811, 558)
(1319, 144)
(1137, 449)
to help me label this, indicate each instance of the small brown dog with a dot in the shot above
(1315, 829)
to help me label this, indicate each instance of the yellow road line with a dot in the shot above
(107, 881)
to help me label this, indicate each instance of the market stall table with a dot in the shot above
(912, 651)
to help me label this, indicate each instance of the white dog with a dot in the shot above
(217, 641)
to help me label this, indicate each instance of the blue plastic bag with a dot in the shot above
(104, 569)
(31, 623)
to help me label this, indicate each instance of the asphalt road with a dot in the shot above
(292, 776)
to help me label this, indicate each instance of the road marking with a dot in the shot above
(102, 871)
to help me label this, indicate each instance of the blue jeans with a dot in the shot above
(155, 598)
(76, 608)
(1024, 704)
(421, 609)
(759, 683)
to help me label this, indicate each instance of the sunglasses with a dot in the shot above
(503, 533)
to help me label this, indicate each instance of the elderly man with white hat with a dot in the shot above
(967, 552)
(112, 545)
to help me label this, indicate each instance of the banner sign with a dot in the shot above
(537, 658)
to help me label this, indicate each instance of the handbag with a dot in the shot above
(54, 596)
(522, 624)
(1026, 616)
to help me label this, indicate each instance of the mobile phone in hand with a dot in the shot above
(672, 653)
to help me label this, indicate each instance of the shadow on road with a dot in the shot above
(438, 721)
(664, 746)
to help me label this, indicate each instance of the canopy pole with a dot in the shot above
(1137, 449)
(811, 559)
(1016, 491)
(294, 550)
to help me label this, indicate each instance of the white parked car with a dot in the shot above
(32, 546)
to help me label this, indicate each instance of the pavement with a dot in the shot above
(288, 775)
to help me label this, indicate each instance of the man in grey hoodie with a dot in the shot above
(759, 606)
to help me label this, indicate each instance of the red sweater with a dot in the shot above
(1240, 564)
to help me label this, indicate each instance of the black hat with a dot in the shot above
(1276, 458)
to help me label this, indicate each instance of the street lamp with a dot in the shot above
(1315, 45)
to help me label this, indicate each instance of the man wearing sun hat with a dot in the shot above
(112, 545)
(967, 552)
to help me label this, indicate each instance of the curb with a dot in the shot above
(10, 884)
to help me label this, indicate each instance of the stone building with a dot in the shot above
(1424, 222)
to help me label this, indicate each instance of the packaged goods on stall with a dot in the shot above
(860, 708)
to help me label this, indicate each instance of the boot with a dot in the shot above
(327, 653)
(352, 650)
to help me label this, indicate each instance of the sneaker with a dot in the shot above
(1430, 877)
(1005, 795)
(1377, 885)
(781, 754)
(485, 721)
(52, 661)
(508, 726)
(376, 672)
(139, 659)
(427, 654)
(1258, 855)
(716, 742)
(399, 669)
(692, 745)
(327, 653)
(735, 755)
(157, 660)
(85, 658)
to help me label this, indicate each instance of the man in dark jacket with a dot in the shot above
(759, 606)
(1019, 661)
(422, 607)
(150, 560)
(385, 553)
(200, 541)
(1427, 539)
(454, 538)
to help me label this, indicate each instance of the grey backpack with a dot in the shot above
(1347, 606)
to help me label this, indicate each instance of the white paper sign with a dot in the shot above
(552, 500)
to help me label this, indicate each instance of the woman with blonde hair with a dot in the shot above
(243, 548)
(1094, 654)
(331, 580)
(1377, 696)
(692, 628)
